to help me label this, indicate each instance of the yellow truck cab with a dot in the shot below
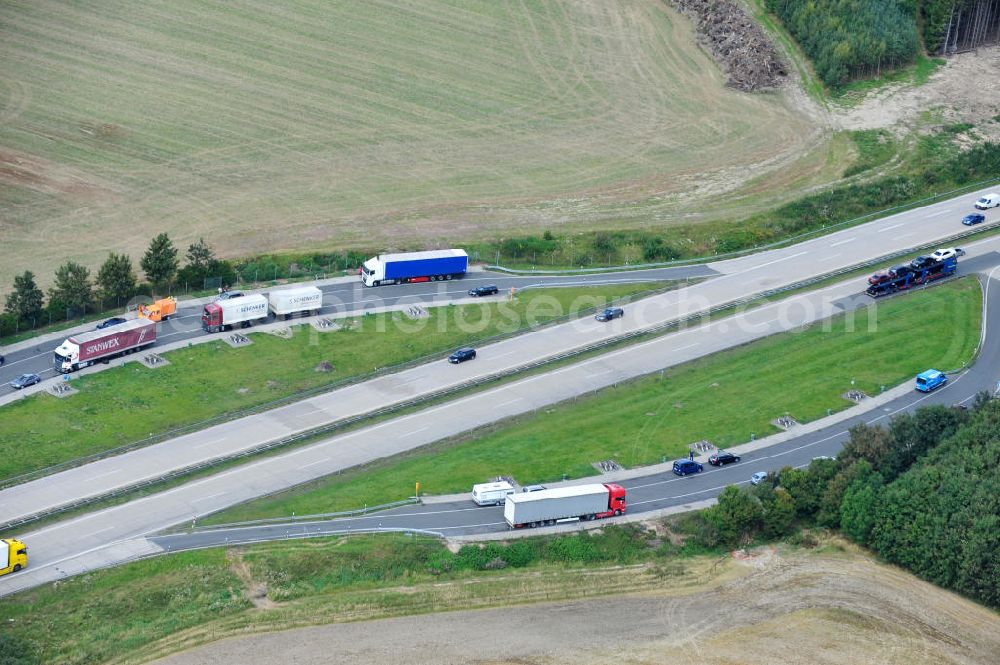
(13, 556)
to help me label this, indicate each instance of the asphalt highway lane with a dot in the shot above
(645, 493)
(353, 297)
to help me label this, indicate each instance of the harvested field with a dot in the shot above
(387, 123)
(799, 608)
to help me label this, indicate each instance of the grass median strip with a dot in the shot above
(126, 404)
(723, 398)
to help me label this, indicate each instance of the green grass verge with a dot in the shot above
(723, 398)
(875, 148)
(125, 404)
(153, 607)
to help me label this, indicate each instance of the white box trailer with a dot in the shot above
(575, 502)
(491, 494)
(223, 314)
(301, 300)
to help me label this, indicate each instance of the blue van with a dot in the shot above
(683, 467)
(929, 380)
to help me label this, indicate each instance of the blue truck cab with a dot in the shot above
(929, 380)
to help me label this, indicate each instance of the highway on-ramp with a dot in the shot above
(80, 543)
(739, 279)
(57, 549)
(647, 493)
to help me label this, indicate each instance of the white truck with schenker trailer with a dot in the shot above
(224, 314)
(303, 300)
(582, 502)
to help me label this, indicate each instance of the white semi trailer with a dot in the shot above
(300, 300)
(242, 311)
(585, 502)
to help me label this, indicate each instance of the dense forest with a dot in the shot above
(852, 39)
(951, 26)
(849, 39)
(924, 493)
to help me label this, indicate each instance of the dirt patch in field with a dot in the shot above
(963, 90)
(40, 175)
(798, 608)
(255, 591)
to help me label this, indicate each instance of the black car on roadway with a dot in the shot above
(24, 381)
(610, 313)
(484, 291)
(922, 262)
(901, 271)
(721, 458)
(462, 355)
(974, 218)
(113, 321)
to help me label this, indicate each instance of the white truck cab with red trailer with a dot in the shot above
(224, 314)
(85, 349)
(577, 502)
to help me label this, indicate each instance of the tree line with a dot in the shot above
(851, 39)
(924, 493)
(116, 283)
(958, 25)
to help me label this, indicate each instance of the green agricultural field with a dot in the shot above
(723, 398)
(128, 403)
(386, 124)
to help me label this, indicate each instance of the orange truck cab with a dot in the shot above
(13, 556)
(161, 310)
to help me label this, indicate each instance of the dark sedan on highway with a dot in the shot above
(722, 458)
(24, 381)
(973, 219)
(113, 321)
(610, 314)
(461, 356)
(484, 291)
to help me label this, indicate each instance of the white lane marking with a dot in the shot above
(415, 431)
(207, 443)
(831, 256)
(890, 228)
(210, 496)
(771, 263)
(510, 401)
(306, 466)
(109, 528)
(843, 242)
(938, 213)
(103, 475)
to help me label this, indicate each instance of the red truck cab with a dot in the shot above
(616, 500)
(211, 318)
